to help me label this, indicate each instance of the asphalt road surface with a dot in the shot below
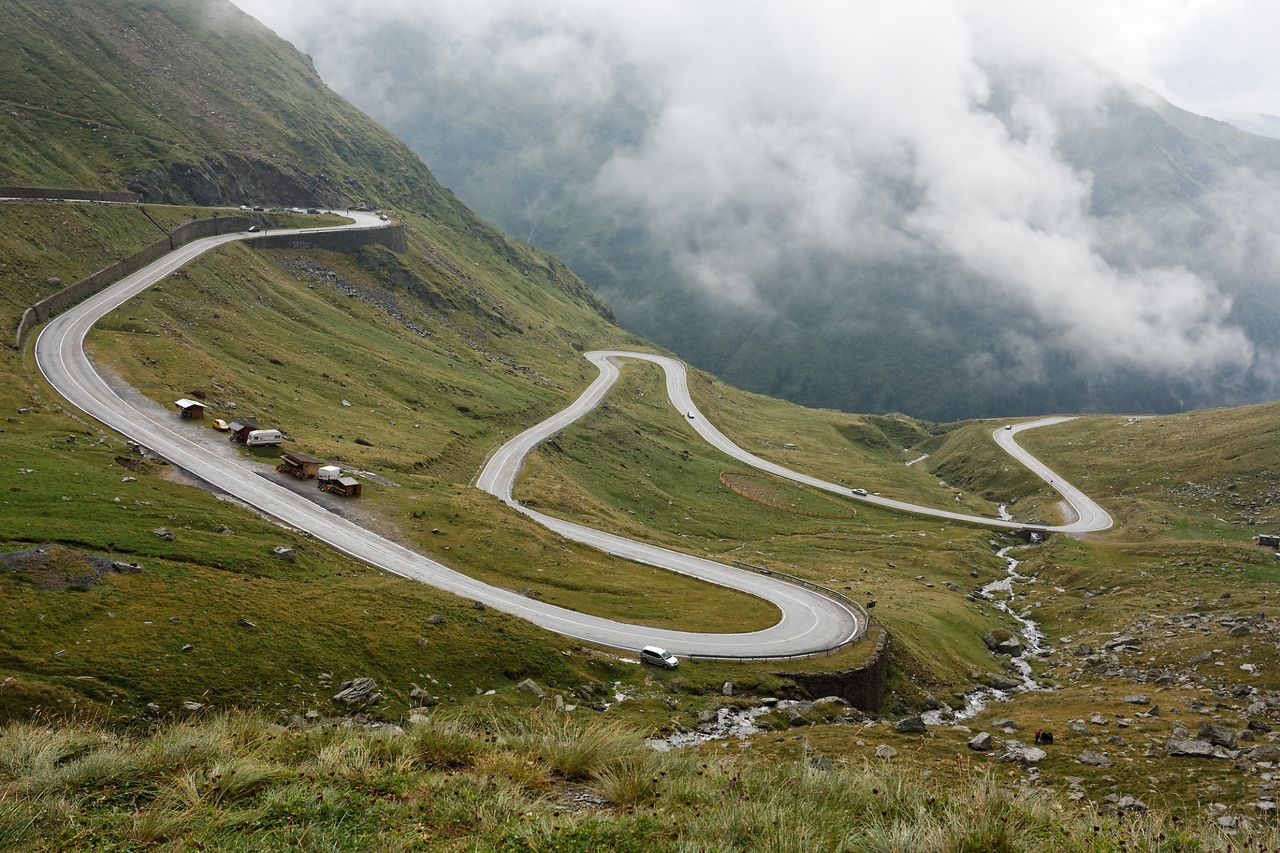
(810, 621)
(500, 474)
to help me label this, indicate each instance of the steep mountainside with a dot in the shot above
(188, 101)
(918, 331)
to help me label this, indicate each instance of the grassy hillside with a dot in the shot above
(512, 785)
(187, 100)
(411, 367)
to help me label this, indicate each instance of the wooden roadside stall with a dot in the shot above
(299, 465)
(190, 409)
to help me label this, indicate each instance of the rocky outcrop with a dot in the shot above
(358, 693)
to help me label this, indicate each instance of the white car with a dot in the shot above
(254, 229)
(655, 656)
(1009, 426)
(862, 492)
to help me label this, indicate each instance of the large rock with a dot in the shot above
(1094, 758)
(1263, 752)
(981, 742)
(1217, 735)
(1002, 642)
(531, 686)
(999, 681)
(1129, 803)
(358, 692)
(885, 751)
(1016, 753)
(285, 553)
(164, 533)
(1122, 643)
(911, 725)
(1189, 748)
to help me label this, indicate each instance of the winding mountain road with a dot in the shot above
(500, 473)
(811, 620)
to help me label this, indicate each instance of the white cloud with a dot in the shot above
(855, 129)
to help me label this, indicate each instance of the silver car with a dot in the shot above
(658, 657)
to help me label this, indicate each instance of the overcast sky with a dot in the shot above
(1214, 57)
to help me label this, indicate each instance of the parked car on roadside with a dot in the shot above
(655, 656)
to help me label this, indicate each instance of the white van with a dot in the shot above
(658, 657)
(264, 437)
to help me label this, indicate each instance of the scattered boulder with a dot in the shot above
(191, 707)
(911, 725)
(1217, 735)
(1263, 752)
(435, 619)
(188, 647)
(1189, 748)
(1016, 753)
(999, 681)
(981, 742)
(284, 552)
(164, 533)
(1138, 699)
(1121, 643)
(358, 692)
(1006, 724)
(823, 763)
(1002, 642)
(1094, 758)
(245, 623)
(726, 689)
(422, 697)
(531, 686)
(1129, 803)
(885, 751)
(478, 605)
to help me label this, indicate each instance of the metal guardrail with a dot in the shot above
(840, 597)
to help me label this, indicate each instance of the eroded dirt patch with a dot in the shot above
(58, 568)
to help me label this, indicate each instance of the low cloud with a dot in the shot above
(763, 135)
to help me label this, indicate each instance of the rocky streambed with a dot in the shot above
(1028, 644)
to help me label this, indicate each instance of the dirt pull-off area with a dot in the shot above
(56, 567)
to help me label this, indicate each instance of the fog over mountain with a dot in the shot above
(944, 208)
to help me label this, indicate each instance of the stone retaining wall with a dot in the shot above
(391, 236)
(58, 302)
(862, 687)
(77, 195)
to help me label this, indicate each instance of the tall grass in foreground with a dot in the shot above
(533, 781)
